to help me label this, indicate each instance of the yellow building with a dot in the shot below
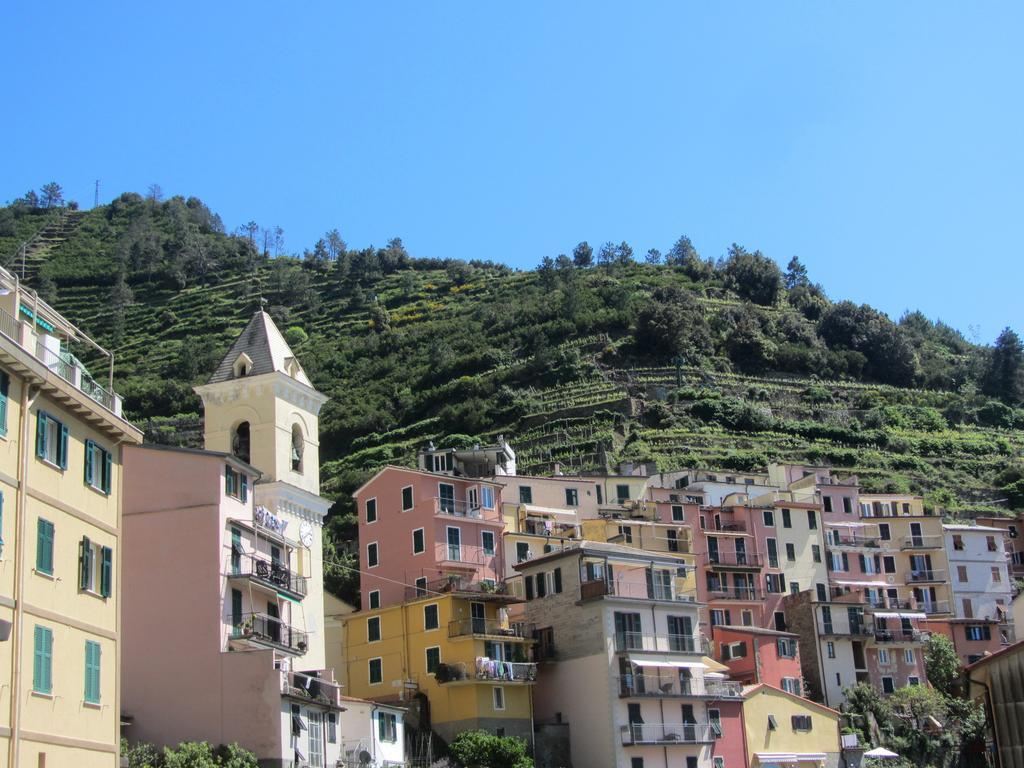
(783, 728)
(61, 434)
(455, 659)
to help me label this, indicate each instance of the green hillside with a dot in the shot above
(676, 360)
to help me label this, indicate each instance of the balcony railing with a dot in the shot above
(635, 686)
(635, 591)
(487, 670)
(730, 526)
(933, 606)
(746, 594)
(735, 559)
(457, 508)
(468, 554)
(922, 542)
(274, 575)
(643, 641)
(853, 541)
(667, 734)
(61, 363)
(899, 636)
(845, 629)
(493, 627)
(311, 685)
(457, 584)
(267, 630)
(917, 577)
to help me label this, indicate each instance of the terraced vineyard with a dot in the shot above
(574, 366)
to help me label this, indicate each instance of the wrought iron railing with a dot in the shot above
(269, 630)
(667, 733)
(275, 575)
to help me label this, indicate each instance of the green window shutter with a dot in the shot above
(44, 546)
(243, 480)
(84, 562)
(108, 465)
(89, 469)
(62, 458)
(5, 385)
(106, 571)
(42, 669)
(92, 672)
(229, 481)
(41, 435)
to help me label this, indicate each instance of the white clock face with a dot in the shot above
(306, 534)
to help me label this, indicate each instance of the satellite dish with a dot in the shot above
(364, 757)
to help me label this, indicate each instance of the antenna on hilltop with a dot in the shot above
(96, 195)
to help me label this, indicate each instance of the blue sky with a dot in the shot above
(880, 142)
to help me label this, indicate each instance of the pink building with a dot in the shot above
(423, 531)
(757, 655)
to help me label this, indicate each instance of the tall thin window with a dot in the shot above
(298, 444)
(240, 442)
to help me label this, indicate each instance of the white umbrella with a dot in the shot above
(880, 752)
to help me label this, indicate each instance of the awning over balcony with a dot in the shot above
(846, 525)
(532, 509)
(642, 660)
(862, 583)
(887, 615)
(788, 758)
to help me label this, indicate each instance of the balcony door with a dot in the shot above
(476, 611)
(689, 724)
(273, 623)
(680, 633)
(627, 631)
(921, 564)
(741, 552)
(446, 497)
(712, 549)
(915, 534)
(454, 543)
(659, 584)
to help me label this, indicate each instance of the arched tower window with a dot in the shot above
(298, 443)
(240, 442)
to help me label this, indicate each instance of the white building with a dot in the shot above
(372, 734)
(979, 571)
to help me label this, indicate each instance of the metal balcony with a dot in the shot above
(667, 734)
(922, 542)
(273, 575)
(925, 577)
(644, 641)
(735, 560)
(653, 686)
(489, 628)
(270, 632)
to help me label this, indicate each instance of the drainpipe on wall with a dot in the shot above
(19, 570)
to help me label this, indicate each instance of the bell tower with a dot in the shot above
(260, 406)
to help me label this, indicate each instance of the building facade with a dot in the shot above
(62, 437)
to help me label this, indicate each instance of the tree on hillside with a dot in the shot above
(796, 274)
(1004, 375)
(606, 256)
(681, 252)
(120, 297)
(672, 323)
(887, 356)
(583, 255)
(335, 245)
(653, 256)
(752, 276)
(623, 254)
(154, 193)
(53, 195)
(942, 664)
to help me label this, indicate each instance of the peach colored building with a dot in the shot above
(426, 531)
(756, 655)
(223, 600)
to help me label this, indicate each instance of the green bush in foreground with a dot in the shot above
(189, 754)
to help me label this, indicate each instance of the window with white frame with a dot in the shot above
(373, 629)
(791, 685)
(376, 671)
(433, 658)
(418, 544)
(374, 598)
(371, 510)
(487, 497)
(883, 656)
(908, 656)
(372, 555)
(913, 680)
(316, 739)
(498, 697)
(830, 649)
(387, 727)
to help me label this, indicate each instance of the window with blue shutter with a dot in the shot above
(42, 667)
(85, 563)
(51, 440)
(92, 672)
(44, 546)
(106, 571)
(108, 474)
(243, 480)
(90, 469)
(5, 384)
(229, 481)
(41, 434)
